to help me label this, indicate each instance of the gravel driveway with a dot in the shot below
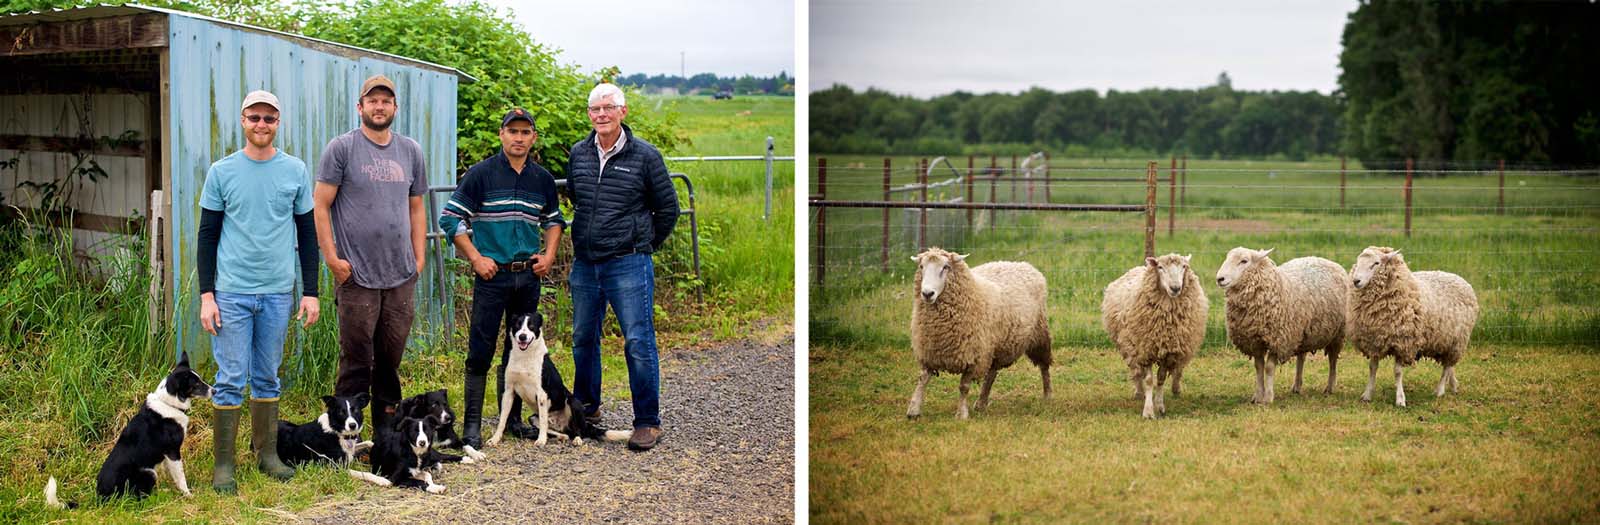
(727, 457)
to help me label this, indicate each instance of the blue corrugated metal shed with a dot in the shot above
(211, 64)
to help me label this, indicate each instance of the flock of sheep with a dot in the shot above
(974, 321)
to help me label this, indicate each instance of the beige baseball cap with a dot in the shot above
(260, 97)
(377, 81)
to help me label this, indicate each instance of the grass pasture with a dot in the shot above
(75, 361)
(1514, 446)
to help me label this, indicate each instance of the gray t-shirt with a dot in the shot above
(372, 213)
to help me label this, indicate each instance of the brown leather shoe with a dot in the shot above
(644, 438)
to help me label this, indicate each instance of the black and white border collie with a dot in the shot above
(437, 404)
(154, 437)
(525, 378)
(334, 437)
(398, 452)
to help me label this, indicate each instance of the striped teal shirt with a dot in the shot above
(507, 211)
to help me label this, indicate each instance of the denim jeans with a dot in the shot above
(249, 345)
(627, 284)
(497, 302)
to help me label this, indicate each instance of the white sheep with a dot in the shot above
(1277, 312)
(1156, 315)
(976, 321)
(1395, 312)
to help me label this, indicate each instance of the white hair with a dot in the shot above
(602, 91)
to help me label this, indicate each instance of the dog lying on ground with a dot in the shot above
(334, 437)
(398, 452)
(524, 378)
(437, 404)
(154, 437)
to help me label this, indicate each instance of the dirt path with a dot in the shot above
(727, 457)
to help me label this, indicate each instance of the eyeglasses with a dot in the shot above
(271, 119)
(603, 109)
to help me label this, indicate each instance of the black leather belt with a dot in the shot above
(519, 266)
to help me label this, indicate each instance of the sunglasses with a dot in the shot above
(258, 118)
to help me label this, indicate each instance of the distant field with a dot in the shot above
(1512, 447)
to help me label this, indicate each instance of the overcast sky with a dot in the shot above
(729, 38)
(932, 47)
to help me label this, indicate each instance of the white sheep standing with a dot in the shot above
(1156, 315)
(976, 321)
(1405, 314)
(1277, 312)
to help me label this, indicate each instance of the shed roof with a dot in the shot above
(100, 11)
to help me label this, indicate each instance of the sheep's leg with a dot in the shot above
(1260, 371)
(983, 394)
(1372, 377)
(916, 395)
(1149, 381)
(1137, 376)
(1452, 372)
(1399, 384)
(961, 406)
(1267, 386)
(1444, 381)
(1333, 367)
(1161, 381)
(1177, 377)
(1044, 375)
(1299, 369)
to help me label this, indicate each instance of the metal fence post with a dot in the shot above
(1013, 178)
(1341, 182)
(1408, 197)
(922, 214)
(883, 259)
(969, 191)
(1150, 210)
(1172, 197)
(994, 187)
(1183, 187)
(822, 223)
(765, 215)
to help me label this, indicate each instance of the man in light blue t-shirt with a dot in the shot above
(255, 206)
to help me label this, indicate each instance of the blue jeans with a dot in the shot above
(249, 345)
(628, 284)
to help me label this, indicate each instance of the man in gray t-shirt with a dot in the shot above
(370, 224)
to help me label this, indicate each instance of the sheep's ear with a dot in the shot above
(1392, 256)
(916, 258)
(958, 257)
(1151, 262)
(1187, 258)
(1266, 252)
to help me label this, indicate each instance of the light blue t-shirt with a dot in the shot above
(259, 200)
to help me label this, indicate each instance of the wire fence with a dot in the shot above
(1527, 239)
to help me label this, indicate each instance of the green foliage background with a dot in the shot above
(512, 68)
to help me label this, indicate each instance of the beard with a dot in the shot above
(260, 141)
(374, 125)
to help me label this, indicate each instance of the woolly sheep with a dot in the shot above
(1156, 315)
(1277, 312)
(1405, 314)
(976, 321)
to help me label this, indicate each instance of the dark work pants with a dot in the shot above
(373, 326)
(495, 303)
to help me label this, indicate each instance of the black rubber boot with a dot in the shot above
(472, 415)
(224, 434)
(264, 437)
(515, 426)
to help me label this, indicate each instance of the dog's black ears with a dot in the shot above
(431, 421)
(183, 359)
(538, 325)
(362, 399)
(327, 401)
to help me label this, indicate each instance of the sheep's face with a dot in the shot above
(1373, 262)
(1239, 261)
(1172, 270)
(934, 265)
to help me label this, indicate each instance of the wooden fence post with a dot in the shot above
(1047, 176)
(883, 258)
(1500, 209)
(1341, 182)
(1408, 197)
(822, 223)
(969, 191)
(1150, 210)
(1183, 187)
(994, 187)
(1013, 178)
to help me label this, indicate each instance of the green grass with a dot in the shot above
(1515, 446)
(75, 359)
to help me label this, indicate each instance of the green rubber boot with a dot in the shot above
(224, 432)
(264, 436)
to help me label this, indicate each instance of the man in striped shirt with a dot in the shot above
(509, 202)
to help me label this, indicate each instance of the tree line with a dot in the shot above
(1213, 121)
(707, 83)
